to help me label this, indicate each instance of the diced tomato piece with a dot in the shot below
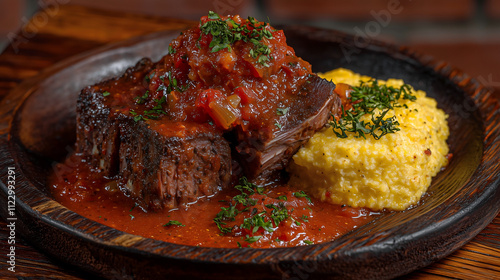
(246, 95)
(181, 62)
(246, 114)
(208, 96)
(203, 20)
(227, 60)
(202, 100)
(343, 90)
(278, 35)
(205, 40)
(256, 71)
(287, 69)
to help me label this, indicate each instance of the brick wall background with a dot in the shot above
(465, 33)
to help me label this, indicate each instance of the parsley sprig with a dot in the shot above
(174, 223)
(279, 212)
(155, 113)
(229, 213)
(282, 111)
(142, 99)
(173, 84)
(365, 99)
(226, 32)
(258, 221)
(301, 194)
(170, 84)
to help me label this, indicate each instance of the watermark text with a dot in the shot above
(11, 218)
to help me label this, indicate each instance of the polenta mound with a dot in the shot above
(392, 172)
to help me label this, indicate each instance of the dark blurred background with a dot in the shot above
(465, 33)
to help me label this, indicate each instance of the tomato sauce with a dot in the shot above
(309, 221)
(230, 85)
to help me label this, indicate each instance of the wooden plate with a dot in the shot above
(462, 200)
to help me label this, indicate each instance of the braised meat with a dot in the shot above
(230, 93)
(173, 163)
(161, 164)
(264, 155)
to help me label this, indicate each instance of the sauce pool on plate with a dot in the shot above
(277, 216)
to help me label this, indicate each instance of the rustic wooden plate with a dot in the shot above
(463, 199)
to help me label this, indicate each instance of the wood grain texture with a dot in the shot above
(69, 32)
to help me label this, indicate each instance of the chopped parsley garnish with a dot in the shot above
(250, 187)
(153, 114)
(137, 117)
(227, 32)
(279, 213)
(173, 85)
(229, 213)
(157, 111)
(174, 223)
(257, 220)
(281, 111)
(133, 207)
(171, 50)
(308, 242)
(365, 99)
(252, 239)
(300, 194)
(106, 93)
(226, 214)
(150, 76)
(142, 99)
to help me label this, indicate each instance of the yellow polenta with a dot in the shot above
(392, 172)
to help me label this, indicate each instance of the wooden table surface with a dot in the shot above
(54, 35)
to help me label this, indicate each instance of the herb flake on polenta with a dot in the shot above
(373, 99)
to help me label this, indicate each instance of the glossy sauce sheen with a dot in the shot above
(228, 87)
(87, 193)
